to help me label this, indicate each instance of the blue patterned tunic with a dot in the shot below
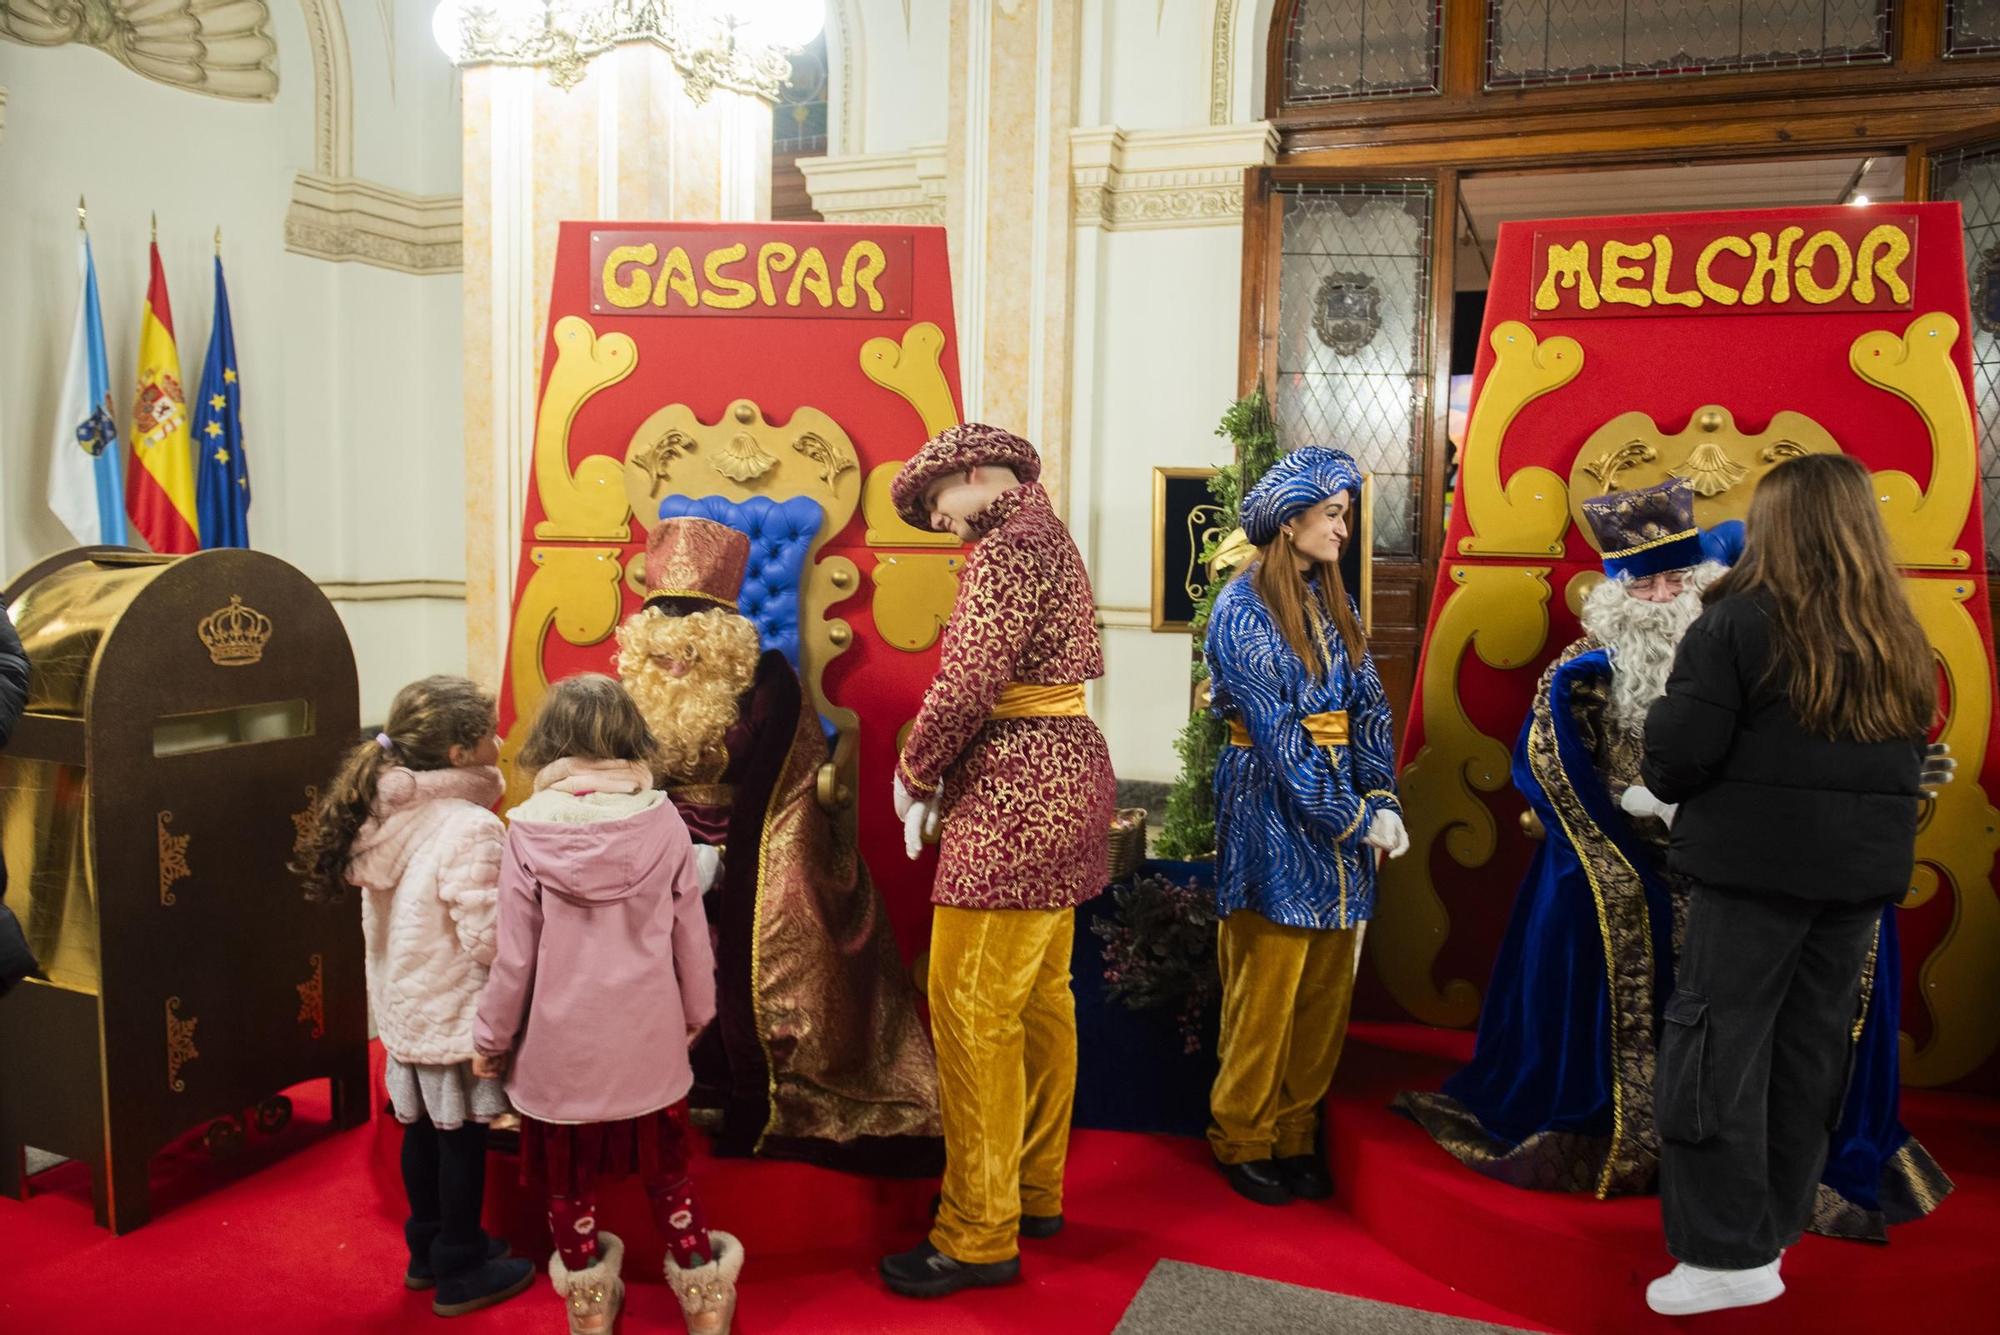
(1290, 816)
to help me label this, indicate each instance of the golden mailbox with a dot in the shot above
(181, 714)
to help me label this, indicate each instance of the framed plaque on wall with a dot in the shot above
(1186, 518)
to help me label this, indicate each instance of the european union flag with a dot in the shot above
(222, 474)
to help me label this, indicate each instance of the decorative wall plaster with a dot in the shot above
(333, 89)
(564, 36)
(336, 216)
(1238, 31)
(899, 188)
(359, 220)
(847, 65)
(219, 47)
(1165, 178)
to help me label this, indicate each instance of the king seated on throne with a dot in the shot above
(1559, 1092)
(817, 1052)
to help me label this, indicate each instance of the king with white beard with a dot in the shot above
(1559, 1092)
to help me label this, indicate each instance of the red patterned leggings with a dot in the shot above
(570, 1159)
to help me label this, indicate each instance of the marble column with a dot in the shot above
(1008, 206)
(634, 139)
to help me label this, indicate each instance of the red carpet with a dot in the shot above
(300, 1233)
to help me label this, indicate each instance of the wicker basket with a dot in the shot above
(1128, 841)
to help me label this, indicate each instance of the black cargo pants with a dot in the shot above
(1753, 1069)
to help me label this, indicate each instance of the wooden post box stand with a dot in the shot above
(182, 714)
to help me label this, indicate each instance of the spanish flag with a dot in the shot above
(159, 477)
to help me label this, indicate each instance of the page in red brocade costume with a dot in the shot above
(1027, 803)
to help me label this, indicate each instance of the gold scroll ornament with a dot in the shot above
(911, 369)
(1917, 367)
(173, 857)
(1525, 516)
(587, 505)
(1722, 463)
(914, 595)
(1502, 613)
(180, 1044)
(1956, 846)
(312, 997)
(573, 591)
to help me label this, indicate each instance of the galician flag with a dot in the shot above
(159, 479)
(84, 490)
(222, 473)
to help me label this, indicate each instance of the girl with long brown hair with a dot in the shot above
(407, 818)
(1304, 799)
(1791, 736)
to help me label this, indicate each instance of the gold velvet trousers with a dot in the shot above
(1003, 1021)
(1285, 998)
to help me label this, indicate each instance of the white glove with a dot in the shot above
(1638, 800)
(1386, 832)
(1939, 768)
(707, 865)
(903, 800)
(919, 823)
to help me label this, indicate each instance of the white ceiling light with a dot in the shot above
(1858, 201)
(783, 23)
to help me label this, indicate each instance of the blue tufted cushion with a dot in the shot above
(781, 533)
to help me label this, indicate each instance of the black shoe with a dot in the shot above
(1257, 1180)
(925, 1272)
(421, 1276)
(1039, 1225)
(1030, 1226)
(468, 1280)
(1306, 1177)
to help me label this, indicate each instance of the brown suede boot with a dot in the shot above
(708, 1292)
(593, 1294)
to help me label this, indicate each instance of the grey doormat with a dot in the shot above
(1182, 1299)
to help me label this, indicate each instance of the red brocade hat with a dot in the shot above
(695, 558)
(954, 450)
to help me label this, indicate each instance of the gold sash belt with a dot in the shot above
(1324, 729)
(1020, 699)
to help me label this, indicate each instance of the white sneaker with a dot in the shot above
(1688, 1289)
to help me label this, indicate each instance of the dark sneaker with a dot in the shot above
(421, 1276)
(1258, 1181)
(925, 1272)
(1030, 1225)
(488, 1283)
(1040, 1225)
(1306, 1176)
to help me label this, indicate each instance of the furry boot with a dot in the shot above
(595, 1293)
(708, 1292)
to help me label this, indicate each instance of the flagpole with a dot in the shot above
(156, 229)
(79, 213)
(218, 241)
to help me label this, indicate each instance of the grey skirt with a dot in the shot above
(450, 1096)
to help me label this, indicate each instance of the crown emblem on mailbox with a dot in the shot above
(235, 635)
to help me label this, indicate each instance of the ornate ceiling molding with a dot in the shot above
(344, 220)
(333, 88)
(847, 64)
(1127, 180)
(222, 48)
(564, 36)
(1237, 32)
(902, 188)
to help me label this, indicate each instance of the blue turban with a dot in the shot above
(1297, 482)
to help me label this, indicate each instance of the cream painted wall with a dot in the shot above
(350, 372)
(1164, 330)
(1156, 64)
(907, 79)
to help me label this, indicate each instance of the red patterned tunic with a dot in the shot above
(1027, 802)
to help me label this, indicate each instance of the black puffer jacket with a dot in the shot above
(1765, 805)
(15, 961)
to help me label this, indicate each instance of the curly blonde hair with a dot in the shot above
(689, 715)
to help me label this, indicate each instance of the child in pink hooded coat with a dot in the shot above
(604, 976)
